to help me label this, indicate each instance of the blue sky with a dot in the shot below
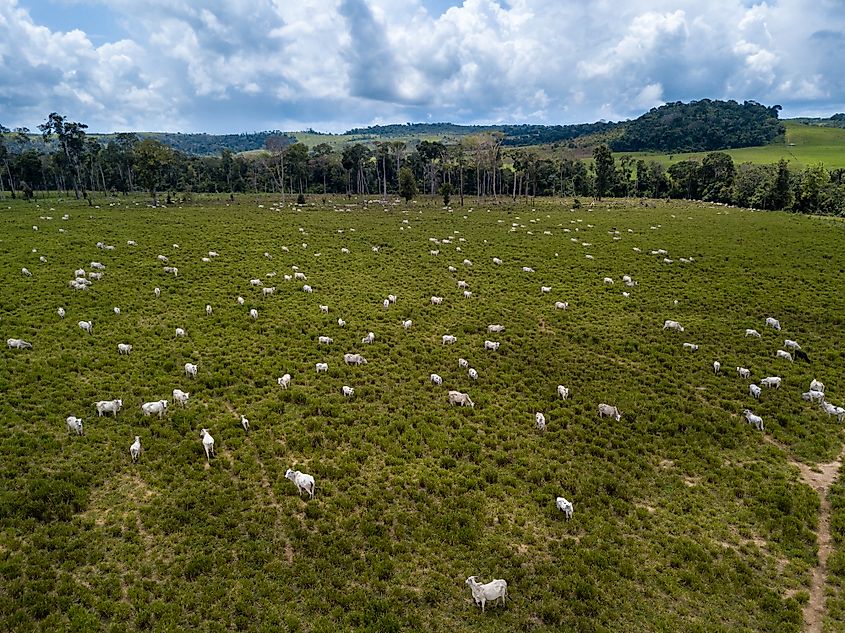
(244, 65)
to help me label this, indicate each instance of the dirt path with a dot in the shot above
(821, 482)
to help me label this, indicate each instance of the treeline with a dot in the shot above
(701, 126)
(476, 165)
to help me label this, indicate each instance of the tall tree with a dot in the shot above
(152, 159)
(71, 138)
(407, 184)
(605, 169)
(278, 146)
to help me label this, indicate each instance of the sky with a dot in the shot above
(228, 66)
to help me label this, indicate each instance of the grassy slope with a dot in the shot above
(812, 145)
(685, 519)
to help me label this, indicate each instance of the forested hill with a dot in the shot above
(701, 126)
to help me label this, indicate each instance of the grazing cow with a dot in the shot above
(436, 379)
(813, 396)
(789, 343)
(490, 592)
(354, 359)
(473, 374)
(831, 409)
(108, 406)
(18, 343)
(369, 338)
(561, 305)
(691, 346)
(495, 328)
(284, 381)
(207, 443)
(407, 324)
(609, 411)
(123, 348)
(783, 354)
(61, 312)
(563, 392)
(754, 391)
(321, 367)
(491, 345)
(180, 332)
(74, 424)
(756, 420)
(181, 396)
(540, 421)
(191, 370)
(88, 326)
(157, 292)
(448, 339)
(716, 366)
(436, 301)
(463, 399)
(135, 449)
(751, 332)
(743, 372)
(668, 324)
(341, 322)
(348, 391)
(254, 314)
(771, 381)
(772, 322)
(158, 407)
(564, 506)
(303, 481)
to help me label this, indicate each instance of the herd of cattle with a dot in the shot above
(305, 483)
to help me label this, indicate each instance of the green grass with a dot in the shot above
(685, 518)
(805, 145)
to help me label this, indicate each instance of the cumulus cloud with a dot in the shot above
(232, 65)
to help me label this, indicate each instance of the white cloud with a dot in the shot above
(230, 65)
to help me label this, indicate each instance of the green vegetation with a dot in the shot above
(700, 126)
(805, 146)
(686, 519)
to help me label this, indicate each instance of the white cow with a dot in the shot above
(540, 421)
(448, 339)
(348, 391)
(491, 345)
(563, 392)
(716, 366)
(407, 324)
(490, 592)
(254, 314)
(116, 310)
(180, 332)
(245, 423)
(158, 407)
(354, 359)
(321, 367)
(668, 324)
(123, 348)
(436, 379)
(191, 370)
(816, 385)
(207, 443)
(463, 399)
(495, 328)
(772, 322)
(135, 449)
(608, 281)
(473, 374)
(369, 338)
(181, 396)
(61, 312)
(754, 391)
(325, 340)
(88, 326)
(284, 381)
(561, 305)
(341, 322)
(18, 343)
(756, 420)
(691, 346)
(307, 288)
(771, 381)
(463, 362)
(324, 309)
(791, 344)
(497, 261)
(271, 290)
(436, 301)
(752, 332)
(831, 409)
(783, 354)
(303, 481)
(564, 506)
(607, 410)
(813, 396)
(74, 424)
(157, 292)
(240, 301)
(743, 372)
(108, 406)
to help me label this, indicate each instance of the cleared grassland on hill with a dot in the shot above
(686, 519)
(805, 145)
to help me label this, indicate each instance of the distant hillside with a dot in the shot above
(701, 126)
(212, 144)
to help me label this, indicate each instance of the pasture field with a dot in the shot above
(805, 145)
(686, 518)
